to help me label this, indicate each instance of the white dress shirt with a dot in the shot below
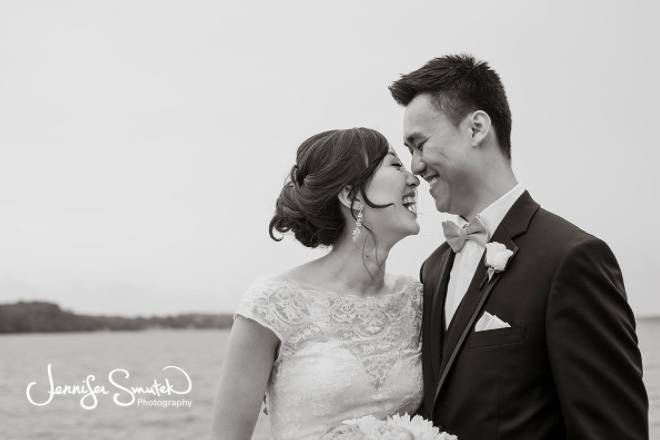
(467, 260)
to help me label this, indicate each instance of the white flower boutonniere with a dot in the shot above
(497, 257)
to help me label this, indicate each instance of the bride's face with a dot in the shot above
(392, 184)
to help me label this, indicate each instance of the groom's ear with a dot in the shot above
(479, 126)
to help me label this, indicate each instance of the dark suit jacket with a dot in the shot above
(567, 368)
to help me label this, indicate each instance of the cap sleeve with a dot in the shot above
(273, 305)
(414, 291)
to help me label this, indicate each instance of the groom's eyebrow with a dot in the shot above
(409, 141)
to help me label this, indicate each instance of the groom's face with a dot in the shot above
(440, 153)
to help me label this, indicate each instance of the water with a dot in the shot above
(198, 352)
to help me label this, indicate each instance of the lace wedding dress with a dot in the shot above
(341, 356)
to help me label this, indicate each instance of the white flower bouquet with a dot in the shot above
(395, 427)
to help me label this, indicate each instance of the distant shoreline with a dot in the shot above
(26, 317)
(46, 317)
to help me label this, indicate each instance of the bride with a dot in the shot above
(337, 337)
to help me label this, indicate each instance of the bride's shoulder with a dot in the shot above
(278, 289)
(270, 285)
(407, 282)
(275, 304)
(409, 287)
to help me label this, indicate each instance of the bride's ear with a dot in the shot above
(345, 198)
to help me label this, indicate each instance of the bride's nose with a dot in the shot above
(412, 180)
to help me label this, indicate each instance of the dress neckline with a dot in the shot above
(304, 285)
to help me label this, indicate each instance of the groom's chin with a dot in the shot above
(440, 205)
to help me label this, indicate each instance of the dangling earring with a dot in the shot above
(358, 226)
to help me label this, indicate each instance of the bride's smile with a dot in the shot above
(394, 186)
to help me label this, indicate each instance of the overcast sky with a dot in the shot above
(143, 143)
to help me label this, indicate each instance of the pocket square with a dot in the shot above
(489, 322)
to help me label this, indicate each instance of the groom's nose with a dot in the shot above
(416, 164)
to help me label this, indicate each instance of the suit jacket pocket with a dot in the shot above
(500, 336)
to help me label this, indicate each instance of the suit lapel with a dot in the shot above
(463, 313)
(438, 309)
(514, 223)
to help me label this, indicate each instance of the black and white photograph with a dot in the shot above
(251, 220)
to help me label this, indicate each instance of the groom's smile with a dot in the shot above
(432, 181)
(438, 149)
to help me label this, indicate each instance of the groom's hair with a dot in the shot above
(459, 84)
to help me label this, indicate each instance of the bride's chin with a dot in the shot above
(395, 236)
(412, 230)
(414, 227)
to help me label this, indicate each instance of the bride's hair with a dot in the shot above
(308, 204)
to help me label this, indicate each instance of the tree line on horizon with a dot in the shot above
(46, 317)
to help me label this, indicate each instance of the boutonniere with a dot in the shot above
(497, 257)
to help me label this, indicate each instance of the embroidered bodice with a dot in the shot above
(341, 356)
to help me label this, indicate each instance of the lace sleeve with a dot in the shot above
(274, 306)
(417, 292)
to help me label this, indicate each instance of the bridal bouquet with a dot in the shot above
(395, 427)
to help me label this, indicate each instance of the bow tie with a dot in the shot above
(457, 236)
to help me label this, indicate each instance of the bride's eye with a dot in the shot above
(397, 165)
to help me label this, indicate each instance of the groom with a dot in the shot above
(540, 344)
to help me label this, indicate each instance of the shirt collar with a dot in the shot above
(494, 213)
